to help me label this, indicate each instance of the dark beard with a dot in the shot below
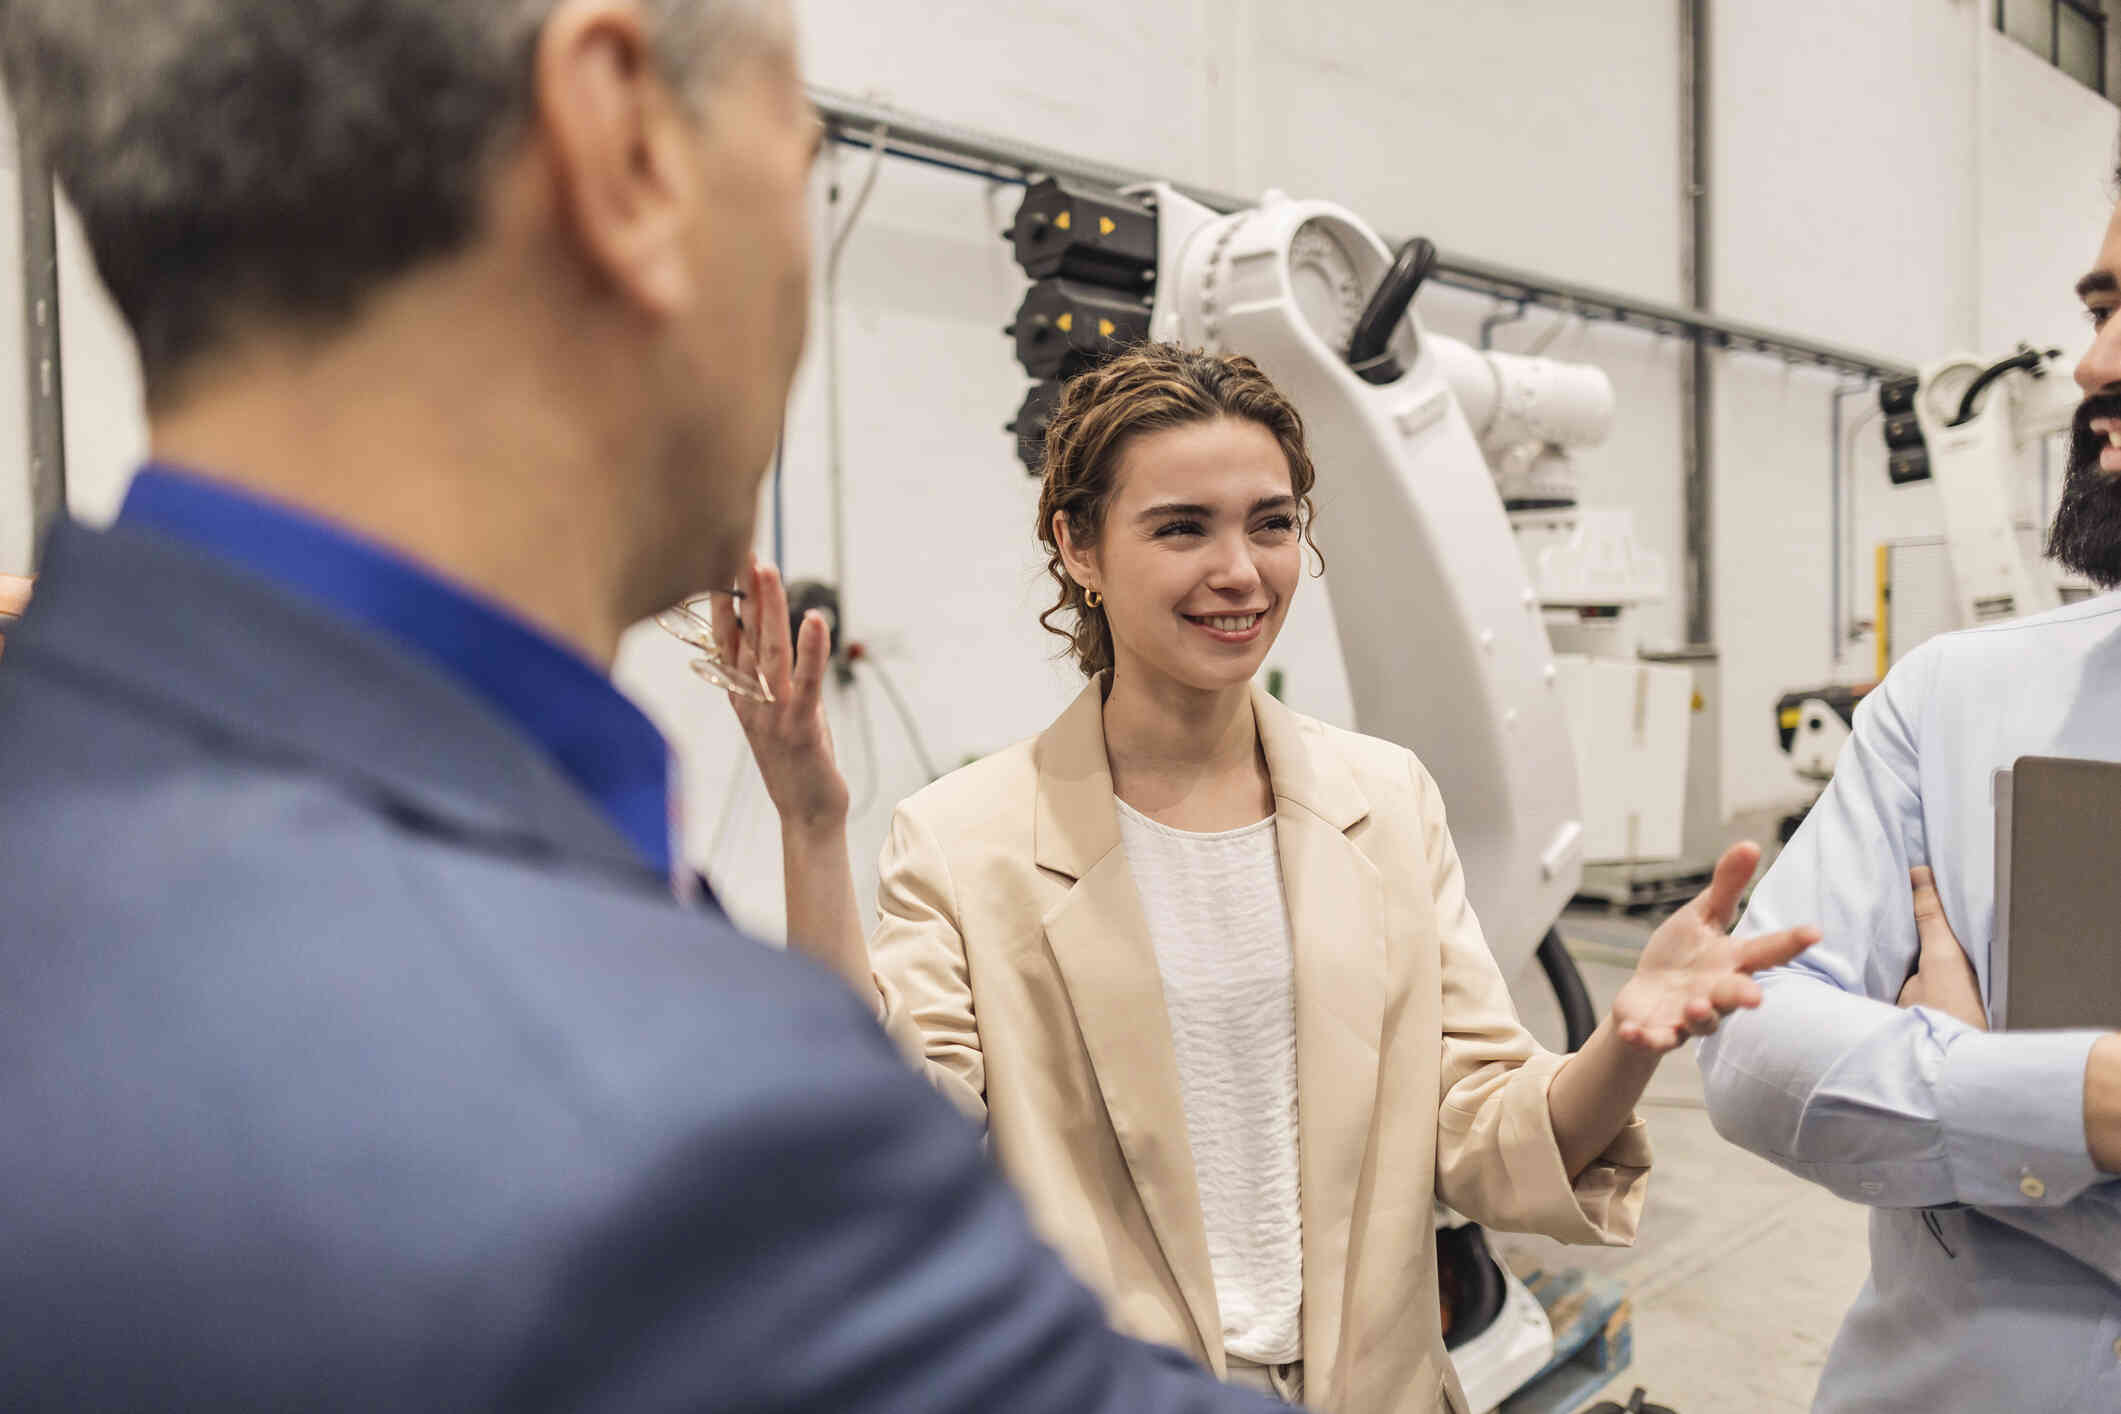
(2086, 536)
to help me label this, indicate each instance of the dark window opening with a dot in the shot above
(2070, 34)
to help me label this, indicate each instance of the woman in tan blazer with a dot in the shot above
(1203, 967)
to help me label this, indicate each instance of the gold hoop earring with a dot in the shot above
(1093, 598)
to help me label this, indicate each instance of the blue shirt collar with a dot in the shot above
(559, 699)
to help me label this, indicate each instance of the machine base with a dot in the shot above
(1594, 1340)
(1512, 1350)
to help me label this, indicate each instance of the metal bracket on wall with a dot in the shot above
(40, 343)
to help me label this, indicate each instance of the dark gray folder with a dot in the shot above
(2056, 963)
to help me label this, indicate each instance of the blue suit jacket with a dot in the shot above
(351, 1059)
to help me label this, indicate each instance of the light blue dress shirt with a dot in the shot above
(1995, 1241)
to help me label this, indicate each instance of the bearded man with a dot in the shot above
(1988, 1160)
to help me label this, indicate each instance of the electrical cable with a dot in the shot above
(1496, 319)
(836, 464)
(907, 154)
(873, 772)
(739, 778)
(905, 717)
(1578, 1015)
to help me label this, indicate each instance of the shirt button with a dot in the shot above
(2032, 1187)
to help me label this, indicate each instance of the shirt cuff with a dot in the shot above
(2012, 1105)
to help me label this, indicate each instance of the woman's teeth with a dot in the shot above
(1226, 623)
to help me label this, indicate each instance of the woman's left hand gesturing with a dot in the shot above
(1693, 973)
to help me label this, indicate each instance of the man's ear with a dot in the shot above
(619, 148)
(1080, 561)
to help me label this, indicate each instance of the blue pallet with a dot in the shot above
(1594, 1340)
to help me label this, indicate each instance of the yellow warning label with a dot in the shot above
(1106, 226)
(1106, 328)
(1065, 220)
(1066, 323)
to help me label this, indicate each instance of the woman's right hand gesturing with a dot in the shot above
(792, 744)
(789, 736)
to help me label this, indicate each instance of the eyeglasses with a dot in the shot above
(688, 626)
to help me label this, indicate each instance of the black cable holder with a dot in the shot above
(2026, 358)
(1370, 350)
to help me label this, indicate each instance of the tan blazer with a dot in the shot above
(1015, 963)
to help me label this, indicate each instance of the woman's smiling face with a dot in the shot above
(1201, 552)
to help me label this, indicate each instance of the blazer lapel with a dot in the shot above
(1337, 916)
(1100, 941)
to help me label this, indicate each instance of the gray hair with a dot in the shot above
(282, 158)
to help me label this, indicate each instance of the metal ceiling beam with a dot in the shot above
(910, 135)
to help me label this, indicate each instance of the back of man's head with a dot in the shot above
(234, 158)
(562, 240)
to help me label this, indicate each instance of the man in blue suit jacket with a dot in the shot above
(359, 1051)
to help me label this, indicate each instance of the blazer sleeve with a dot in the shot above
(827, 1236)
(922, 975)
(1497, 1160)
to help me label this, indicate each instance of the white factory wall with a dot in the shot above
(1844, 145)
(1891, 175)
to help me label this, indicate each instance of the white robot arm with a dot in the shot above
(1440, 628)
(1963, 421)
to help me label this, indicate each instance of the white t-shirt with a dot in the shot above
(1220, 925)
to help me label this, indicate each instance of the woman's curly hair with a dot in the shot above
(1149, 388)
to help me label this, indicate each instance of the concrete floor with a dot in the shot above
(1742, 1272)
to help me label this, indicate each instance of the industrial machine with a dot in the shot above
(1965, 423)
(1444, 634)
(1630, 720)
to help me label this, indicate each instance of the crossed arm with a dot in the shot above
(1890, 1105)
(1944, 979)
